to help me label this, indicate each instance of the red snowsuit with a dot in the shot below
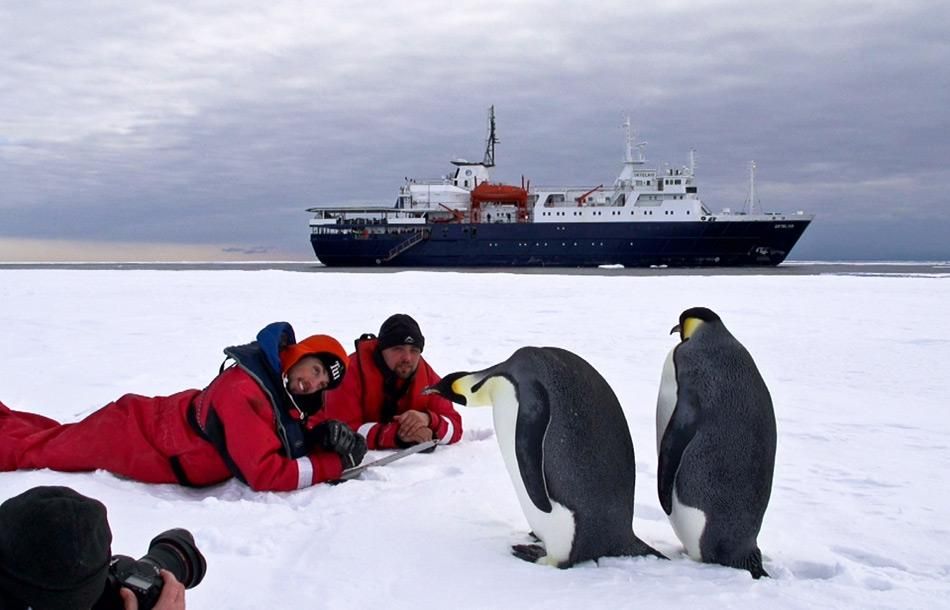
(361, 400)
(194, 437)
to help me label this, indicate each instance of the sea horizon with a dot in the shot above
(788, 267)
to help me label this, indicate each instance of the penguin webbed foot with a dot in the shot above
(529, 552)
(752, 564)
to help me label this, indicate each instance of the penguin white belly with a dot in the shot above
(555, 529)
(666, 400)
(688, 524)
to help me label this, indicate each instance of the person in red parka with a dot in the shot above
(259, 420)
(381, 395)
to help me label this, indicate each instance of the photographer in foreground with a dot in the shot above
(55, 555)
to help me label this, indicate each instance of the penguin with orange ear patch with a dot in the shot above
(716, 438)
(567, 448)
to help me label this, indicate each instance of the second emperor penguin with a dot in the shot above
(716, 436)
(567, 448)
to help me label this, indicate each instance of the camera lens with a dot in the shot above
(175, 551)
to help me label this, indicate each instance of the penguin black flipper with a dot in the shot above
(679, 432)
(534, 415)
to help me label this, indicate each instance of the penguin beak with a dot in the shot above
(675, 329)
(445, 389)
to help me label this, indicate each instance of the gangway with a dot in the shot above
(416, 238)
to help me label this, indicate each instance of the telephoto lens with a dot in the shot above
(174, 550)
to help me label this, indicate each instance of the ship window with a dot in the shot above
(466, 184)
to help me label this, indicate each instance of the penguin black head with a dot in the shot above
(446, 389)
(691, 319)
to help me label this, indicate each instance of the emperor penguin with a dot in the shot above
(567, 448)
(715, 436)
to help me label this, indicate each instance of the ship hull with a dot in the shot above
(720, 243)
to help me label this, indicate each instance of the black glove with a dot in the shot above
(334, 435)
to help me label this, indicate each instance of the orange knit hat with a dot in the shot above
(325, 347)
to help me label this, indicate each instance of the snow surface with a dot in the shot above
(857, 367)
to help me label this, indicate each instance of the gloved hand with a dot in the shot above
(334, 435)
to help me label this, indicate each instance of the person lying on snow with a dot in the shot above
(381, 396)
(259, 420)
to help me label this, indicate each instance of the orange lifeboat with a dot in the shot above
(486, 192)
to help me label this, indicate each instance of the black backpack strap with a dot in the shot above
(361, 338)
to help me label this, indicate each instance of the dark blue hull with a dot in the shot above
(720, 243)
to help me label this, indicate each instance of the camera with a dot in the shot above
(173, 550)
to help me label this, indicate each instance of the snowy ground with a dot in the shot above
(857, 367)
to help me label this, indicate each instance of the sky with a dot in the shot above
(856, 518)
(204, 129)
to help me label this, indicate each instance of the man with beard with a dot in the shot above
(381, 394)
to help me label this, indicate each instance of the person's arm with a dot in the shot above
(241, 425)
(172, 596)
(414, 427)
(346, 404)
(444, 421)
(380, 436)
(429, 416)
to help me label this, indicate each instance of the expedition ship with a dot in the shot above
(647, 217)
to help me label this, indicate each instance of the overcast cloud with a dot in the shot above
(213, 124)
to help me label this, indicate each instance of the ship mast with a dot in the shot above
(631, 138)
(751, 186)
(489, 160)
(628, 173)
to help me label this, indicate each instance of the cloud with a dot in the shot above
(211, 122)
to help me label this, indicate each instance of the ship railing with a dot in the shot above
(365, 214)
